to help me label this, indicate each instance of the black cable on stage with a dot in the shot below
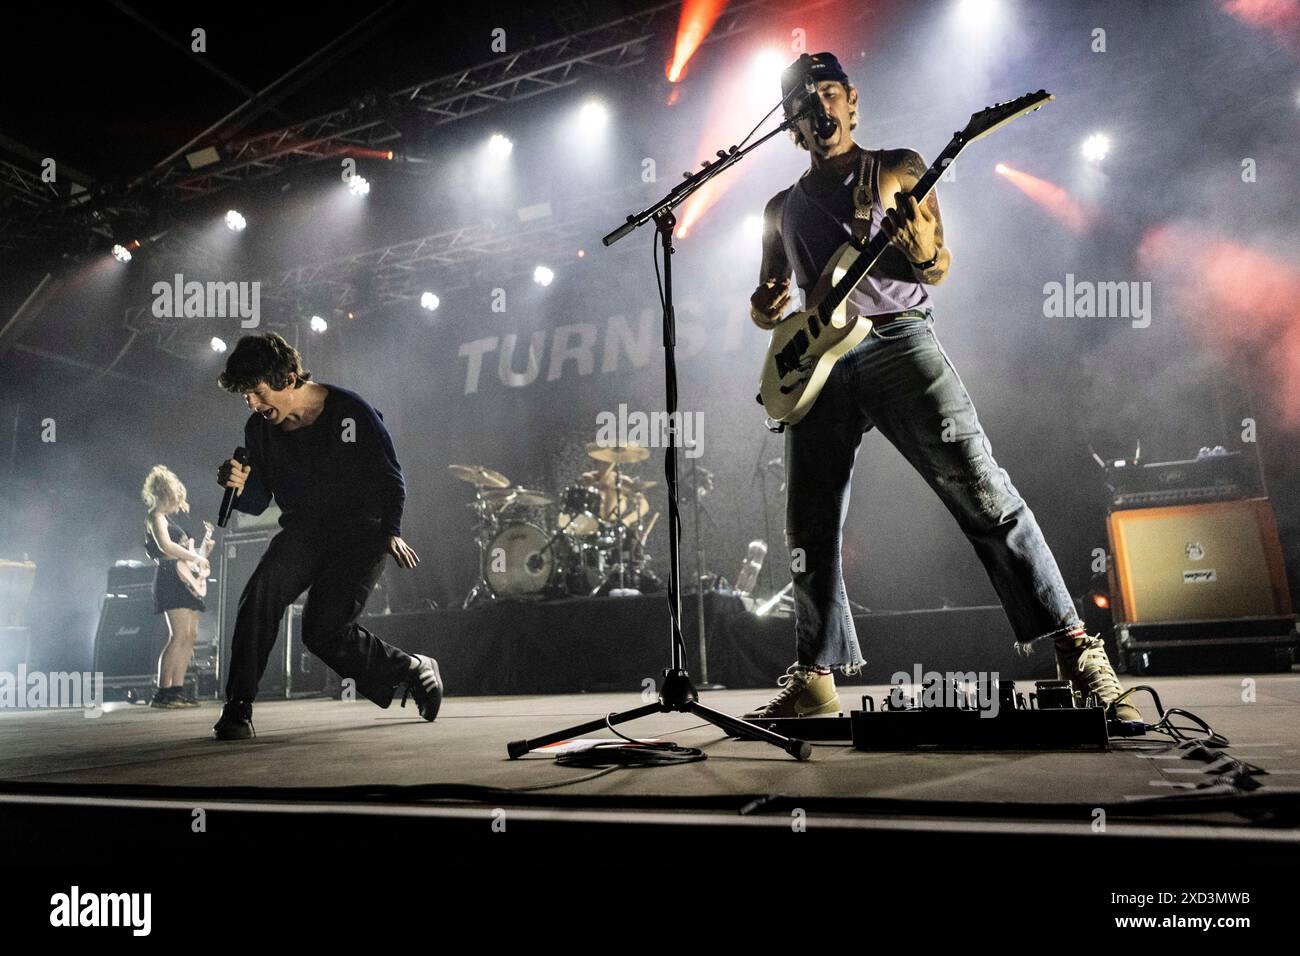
(633, 753)
(1165, 725)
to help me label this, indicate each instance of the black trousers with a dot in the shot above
(337, 567)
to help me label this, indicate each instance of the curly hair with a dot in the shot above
(262, 358)
(796, 135)
(162, 489)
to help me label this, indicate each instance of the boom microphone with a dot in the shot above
(228, 499)
(822, 122)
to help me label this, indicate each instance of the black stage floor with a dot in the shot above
(322, 743)
(332, 787)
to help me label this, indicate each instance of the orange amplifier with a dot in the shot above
(1199, 562)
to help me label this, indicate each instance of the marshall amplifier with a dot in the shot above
(1189, 578)
(129, 639)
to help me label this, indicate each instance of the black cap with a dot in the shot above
(818, 66)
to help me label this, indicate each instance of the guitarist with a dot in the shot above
(169, 546)
(899, 380)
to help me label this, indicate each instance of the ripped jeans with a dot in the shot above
(900, 380)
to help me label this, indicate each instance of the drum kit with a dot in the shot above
(588, 540)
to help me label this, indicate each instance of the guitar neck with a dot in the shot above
(875, 248)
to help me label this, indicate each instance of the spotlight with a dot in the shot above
(753, 226)
(318, 324)
(235, 222)
(1095, 147)
(767, 67)
(593, 116)
(429, 301)
(499, 147)
(1000, 169)
(121, 253)
(543, 276)
(974, 9)
(358, 186)
(218, 345)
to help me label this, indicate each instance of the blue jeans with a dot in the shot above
(900, 380)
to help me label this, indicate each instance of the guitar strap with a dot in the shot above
(863, 194)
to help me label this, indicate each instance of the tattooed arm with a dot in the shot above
(917, 227)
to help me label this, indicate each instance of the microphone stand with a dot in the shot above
(678, 693)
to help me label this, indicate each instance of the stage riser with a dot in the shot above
(604, 644)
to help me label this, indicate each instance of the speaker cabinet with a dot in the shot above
(1200, 588)
(1215, 561)
(129, 639)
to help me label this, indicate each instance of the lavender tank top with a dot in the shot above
(814, 227)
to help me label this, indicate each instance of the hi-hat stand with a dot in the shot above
(678, 693)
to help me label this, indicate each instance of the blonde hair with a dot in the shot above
(162, 489)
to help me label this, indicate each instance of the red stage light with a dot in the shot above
(1101, 600)
(697, 19)
(1050, 196)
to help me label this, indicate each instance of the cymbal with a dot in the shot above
(516, 496)
(617, 454)
(627, 482)
(478, 475)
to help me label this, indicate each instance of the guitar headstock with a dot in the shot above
(208, 527)
(999, 114)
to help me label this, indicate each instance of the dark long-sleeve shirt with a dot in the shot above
(340, 467)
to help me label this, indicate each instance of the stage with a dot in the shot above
(321, 757)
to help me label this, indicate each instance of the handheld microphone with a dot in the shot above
(822, 121)
(228, 499)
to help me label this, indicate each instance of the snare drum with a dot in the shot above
(579, 511)
(520, 561)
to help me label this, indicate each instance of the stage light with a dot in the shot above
(767, 67)
(499, 147)
(358, 186)
(429, 301)
(753, 227)
(1101, 600)
(1000, 169)
(1052, 198)
(693, 25)
(218, 345)
(543, 276)
(976, 9)
(318, 324)
(1095, 147)
(593, 116)
(121, 253)
(235, 222)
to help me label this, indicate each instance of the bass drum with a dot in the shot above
(520, 561)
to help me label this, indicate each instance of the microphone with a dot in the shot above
(228, 499)
(822, 122)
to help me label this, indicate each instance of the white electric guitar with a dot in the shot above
(191, 572)
(806, 345)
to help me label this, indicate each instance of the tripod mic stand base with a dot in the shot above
(678, 695)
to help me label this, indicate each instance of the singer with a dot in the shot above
(325, 456)
(901, 381)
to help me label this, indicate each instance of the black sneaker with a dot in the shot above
(236, 722)
(425, 685)
(185, 699)
(167, 698)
